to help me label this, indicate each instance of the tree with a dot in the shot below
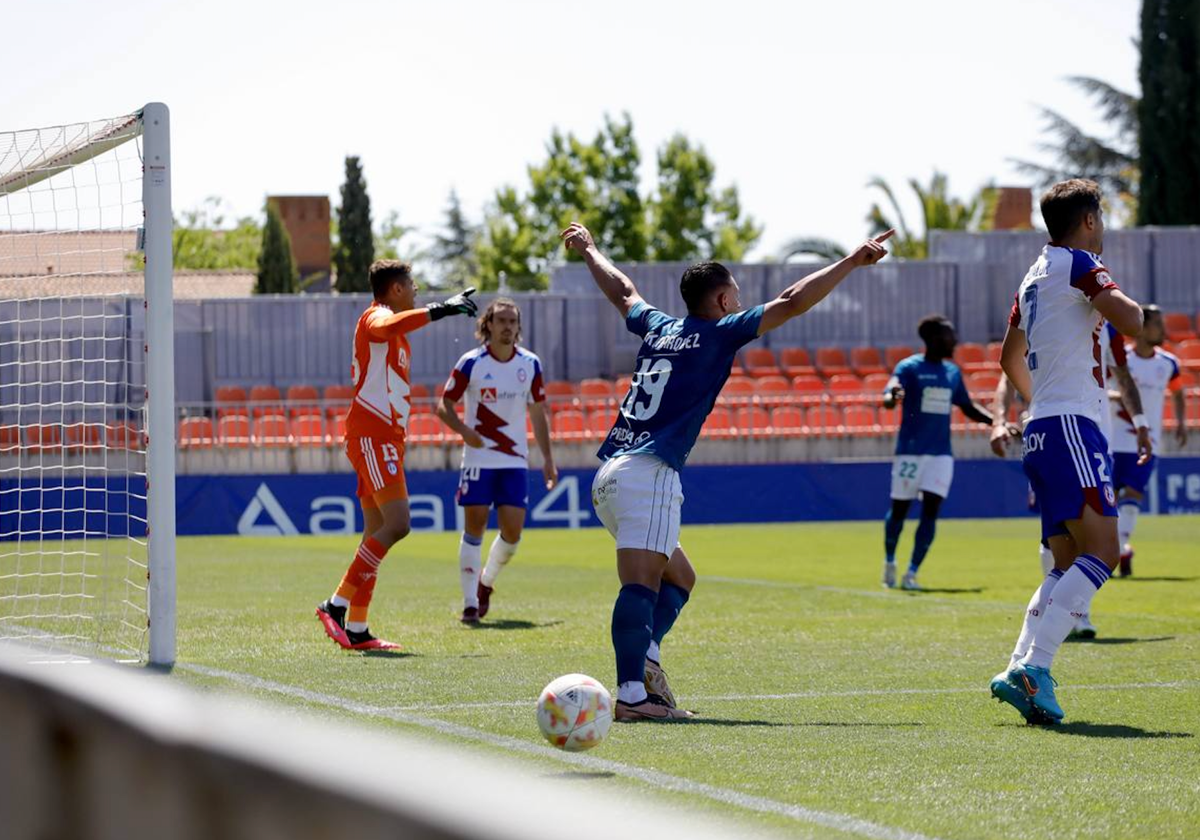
(356, 241)
(454, 247)
(277, 272)
(1169, 113)
(512, 246)
(201, 239)
(939, 211)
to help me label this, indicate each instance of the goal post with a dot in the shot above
(87, 407)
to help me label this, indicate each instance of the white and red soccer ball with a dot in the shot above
(574, 712)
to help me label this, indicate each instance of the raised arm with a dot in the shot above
(618, 288)
(408, 320)
(810, 290)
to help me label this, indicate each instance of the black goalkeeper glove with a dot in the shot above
(460, 304)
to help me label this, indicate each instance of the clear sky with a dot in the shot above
(798, 103)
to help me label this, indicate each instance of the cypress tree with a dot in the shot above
(277, 272)
(356, 243)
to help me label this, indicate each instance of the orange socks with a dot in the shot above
(358, 584)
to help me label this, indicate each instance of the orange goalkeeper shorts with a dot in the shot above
(380, 468)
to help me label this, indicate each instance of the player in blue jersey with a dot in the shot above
(681, 367)
(928, 385)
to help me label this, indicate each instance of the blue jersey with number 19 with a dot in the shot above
(681, 367)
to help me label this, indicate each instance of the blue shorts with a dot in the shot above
(1127, 473)
(1066, 459)
(498, 487)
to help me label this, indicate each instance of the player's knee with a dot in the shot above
(398, 528)
(511, 535)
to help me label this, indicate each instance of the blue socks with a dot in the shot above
(632, 623)
(671, 599)
(924, 538)
(892, 526)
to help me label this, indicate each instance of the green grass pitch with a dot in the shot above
(817, 690)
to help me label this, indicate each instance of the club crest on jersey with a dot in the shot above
(393, 469)
(522, 375)
(1109, 496)
(487, 395)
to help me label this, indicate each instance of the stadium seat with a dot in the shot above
(795, 362)
(860, 419)
(624, 383)
(991, 354)
(231, 400)
(309, 430)
(738, 390)
(302, 399)
(753, 421)
(894, 355)
(983, 383)
(719, 424)
(596, 393)
(337, 400)
(866, 361)
(272, 431)
(339, 428)
(234, 431)
(773, 391)
(889, 418)
(845, 383)
(79, 436)
(831, 361)
(823, 419)
(1178, 326)
(43, 438)
(759, 361)
(10, 438)
(787, 421)
(196, 433)
(811, 385)
(265, 400)
(971, 357)
(1189, 355)
(570, 425)
(600, 422)
(560, 393)
(875, 383)
(425, 428)
(125, 436)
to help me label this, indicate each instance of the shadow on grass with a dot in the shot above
(1116, 640)
(513, 624)
(1112, 730)
(928, 591)
(580, 775)
(1135, 579)
(387, 654)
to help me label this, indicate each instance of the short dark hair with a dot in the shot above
(1151, 310)
(1066, 203)
(700, 281)
(383, 273)
(931, 326)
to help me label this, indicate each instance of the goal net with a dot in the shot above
(86, 389)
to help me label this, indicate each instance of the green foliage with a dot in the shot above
(1169, 113)
(202, 240)
(454, 247)
(355, 249)
(277, 272)
(598, 183)
(939, 211)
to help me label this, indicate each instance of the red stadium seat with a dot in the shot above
(231, 400)
(866, 361)
(570, 425)
(600, 422)
(971, 357)
(624, 383)
(773, 390)
(808, 388)
(894, 355)
(425, 428)
(337, 400)
(125, 436)
(824, 419)
(738, 389)
(845, 383)
(303, 399)
(795, 362)
(788, 421)
(875, 383)
(983, 383)
(10, 438)
(596, 393)
(759, 361)
(991, 353)
(79, 436)
(1189, 355)
(234, 431)
(196, 433)
(889, 418)
(272, 431)
(43, 438)
(860, 419)
(719, 424)
(753, 421)
(831, 361)
(560, 393)
(265, 400)
(1178, 326)
(309, 430)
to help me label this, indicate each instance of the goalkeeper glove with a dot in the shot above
(460, 304)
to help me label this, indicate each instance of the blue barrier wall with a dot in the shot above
(271, 505)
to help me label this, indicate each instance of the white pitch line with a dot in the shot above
(809, 695)
(664, 781)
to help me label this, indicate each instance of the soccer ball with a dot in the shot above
(574, 712)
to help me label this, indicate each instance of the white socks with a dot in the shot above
(1047, 558)
(470, 552)
(338, 601)
(632, 692)
(1034, 613)
(1127, 514)
(653, 652)
(1071, 598)
(500, 553)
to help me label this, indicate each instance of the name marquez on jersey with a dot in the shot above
(672, 342)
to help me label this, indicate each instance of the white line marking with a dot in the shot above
(828, 819)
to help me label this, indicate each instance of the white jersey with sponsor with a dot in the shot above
(1154, 377)
(497, 394)
(1054, 308)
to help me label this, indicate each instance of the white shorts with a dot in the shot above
(639, 499)
(923, 473)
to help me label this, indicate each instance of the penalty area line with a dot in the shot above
(653, 778)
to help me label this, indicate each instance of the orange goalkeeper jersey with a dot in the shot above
(380, 372)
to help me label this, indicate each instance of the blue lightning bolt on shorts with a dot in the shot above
(498, 487)
(1066, 459)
